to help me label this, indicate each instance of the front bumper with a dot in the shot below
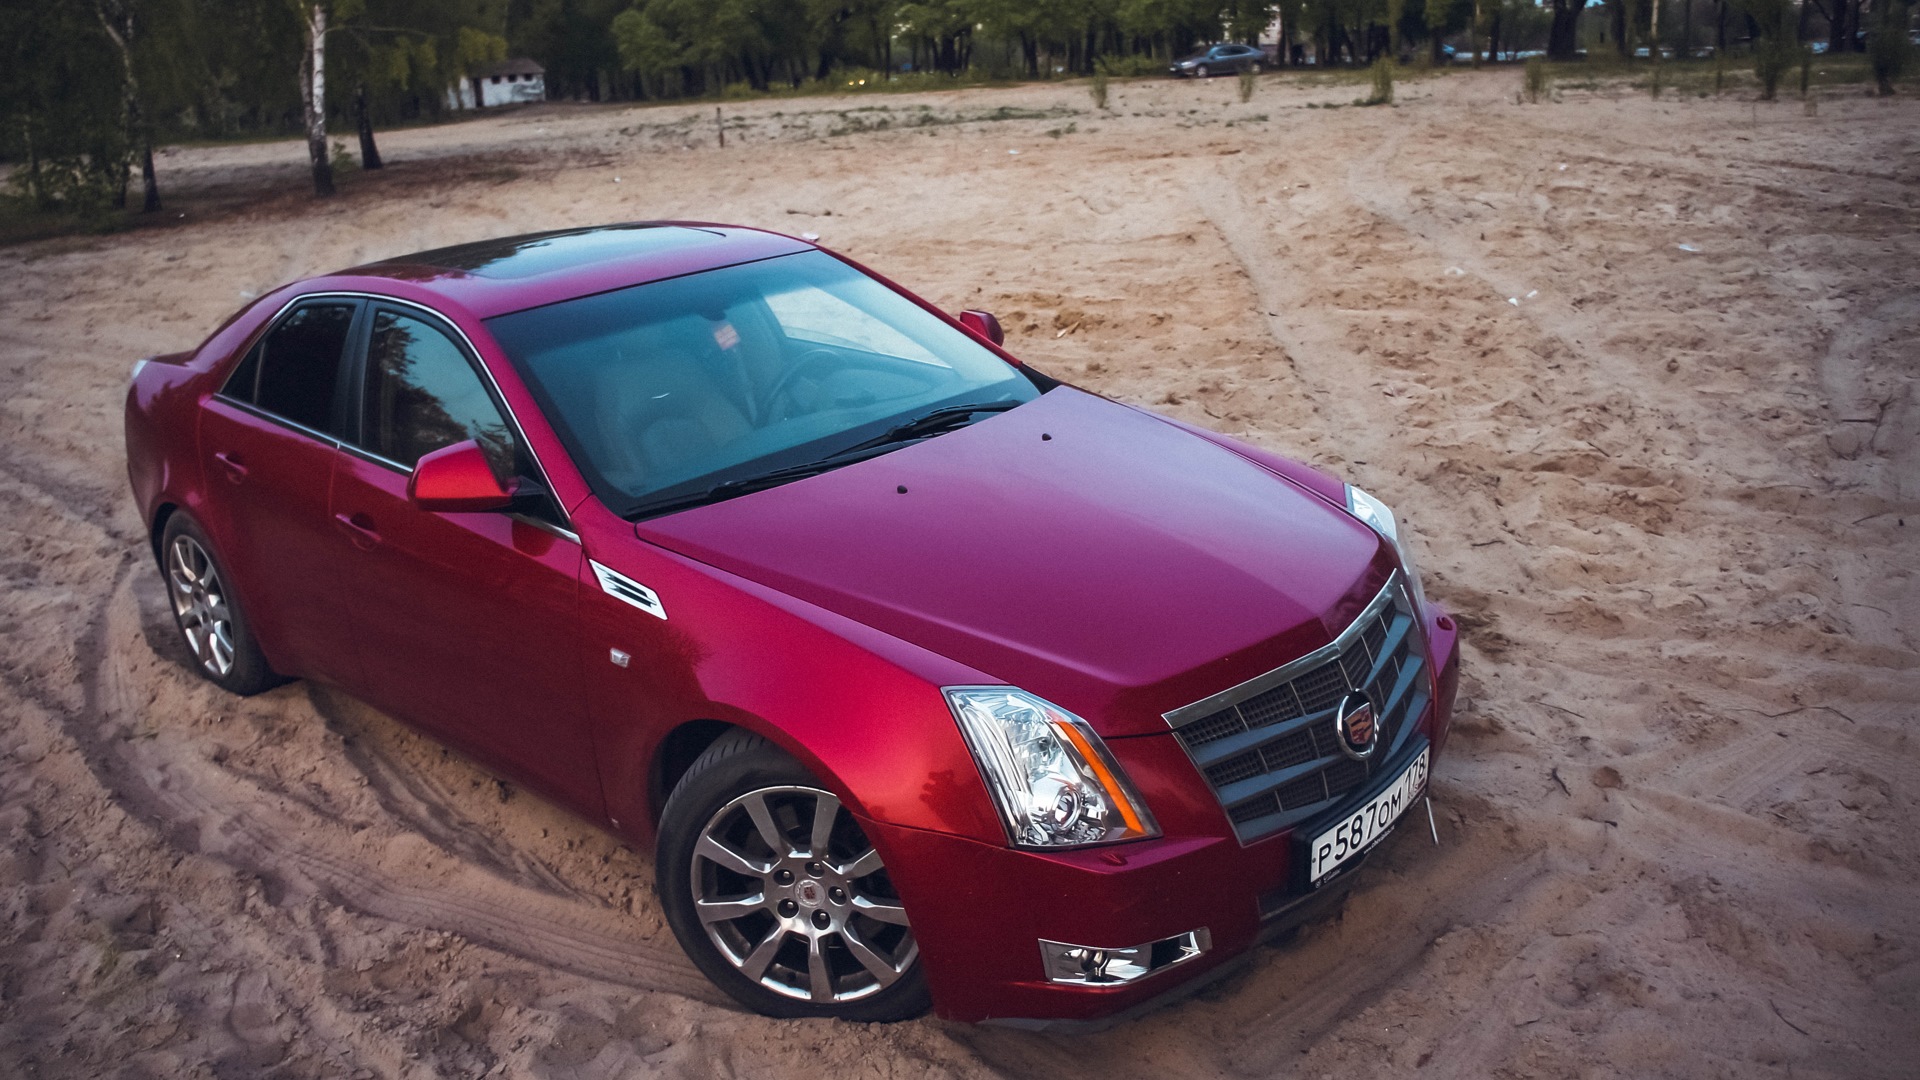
(981, 910)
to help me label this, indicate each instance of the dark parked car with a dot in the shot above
(929, 679)
(1219, 60)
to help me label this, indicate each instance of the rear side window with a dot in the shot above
(422, 394)
(294, 371)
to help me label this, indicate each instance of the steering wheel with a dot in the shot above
(783, 383)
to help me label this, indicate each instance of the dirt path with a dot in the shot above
(1640, 375)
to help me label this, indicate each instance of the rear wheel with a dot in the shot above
(776, 893)
(209, 616)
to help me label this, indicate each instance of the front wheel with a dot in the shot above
(776, 893)
(1200, 72)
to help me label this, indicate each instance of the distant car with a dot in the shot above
(929, 679)
(1219, 60)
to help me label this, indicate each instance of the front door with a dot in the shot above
(466, 622)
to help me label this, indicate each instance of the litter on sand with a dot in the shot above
(1454, 271)
(1686, 247)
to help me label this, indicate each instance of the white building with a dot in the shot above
(510, 82)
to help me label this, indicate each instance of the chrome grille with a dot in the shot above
(1268, 747)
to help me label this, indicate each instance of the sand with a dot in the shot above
(1640, 375)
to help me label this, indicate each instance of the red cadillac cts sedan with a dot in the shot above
(934, 682)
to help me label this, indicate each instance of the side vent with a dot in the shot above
(625, 589)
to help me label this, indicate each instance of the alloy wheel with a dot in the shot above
(794, 896)
(200, 605)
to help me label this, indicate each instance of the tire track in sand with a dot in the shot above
(217, 814)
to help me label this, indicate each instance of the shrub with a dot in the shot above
(1888, 50)
(1098, 88)
(1127, 67)
(1382, 74)
(1246, 86)
(342, 161)
(1773, 57)
(1539, 79)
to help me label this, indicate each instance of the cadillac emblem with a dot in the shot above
(1358, 728)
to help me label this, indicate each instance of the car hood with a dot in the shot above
(1086, 551)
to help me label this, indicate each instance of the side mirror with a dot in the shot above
(457, 478)
(984, 325)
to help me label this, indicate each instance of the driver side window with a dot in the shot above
(421, 394)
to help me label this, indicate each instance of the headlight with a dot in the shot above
(1051, 776)
(1380, 518)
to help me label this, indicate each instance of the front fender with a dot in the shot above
(860, 709)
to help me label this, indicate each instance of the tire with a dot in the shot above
(1201, 72)
(1257, 68)
(789, 934)
(212, 624)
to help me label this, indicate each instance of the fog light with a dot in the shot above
(1085, 965)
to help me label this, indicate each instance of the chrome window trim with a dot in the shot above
(253, 410)
(1290, 670)
(506, 406)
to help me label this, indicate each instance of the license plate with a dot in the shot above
(1365, 827)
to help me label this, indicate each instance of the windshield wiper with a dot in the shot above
(923, 426)
(746, 485)
(930, 423)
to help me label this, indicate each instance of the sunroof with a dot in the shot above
(543, 253)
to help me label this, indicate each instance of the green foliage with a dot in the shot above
(1539, 81)
(1097, 87)
(1777, 47)
(341, 161)
(62, 113)
(1133, 66)
(1247, 83)
(1381, 76)
(1889, 50)
(475, 48)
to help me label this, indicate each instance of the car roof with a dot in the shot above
(513, 273)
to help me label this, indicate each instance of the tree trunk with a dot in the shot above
(148, 181)
(36, 190)
(1617, 13)
(122, 37)
(369, 153)
(313, 97)
(1686, 31)
(1563, 37)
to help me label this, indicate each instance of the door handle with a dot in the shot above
(360, 528)
(236, 469)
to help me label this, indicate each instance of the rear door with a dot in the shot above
(466, 622)
(268, 448)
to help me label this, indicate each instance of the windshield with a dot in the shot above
(679, 387)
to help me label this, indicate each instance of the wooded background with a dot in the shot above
(88, 87)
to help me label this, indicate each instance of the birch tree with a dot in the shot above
(313, 92)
